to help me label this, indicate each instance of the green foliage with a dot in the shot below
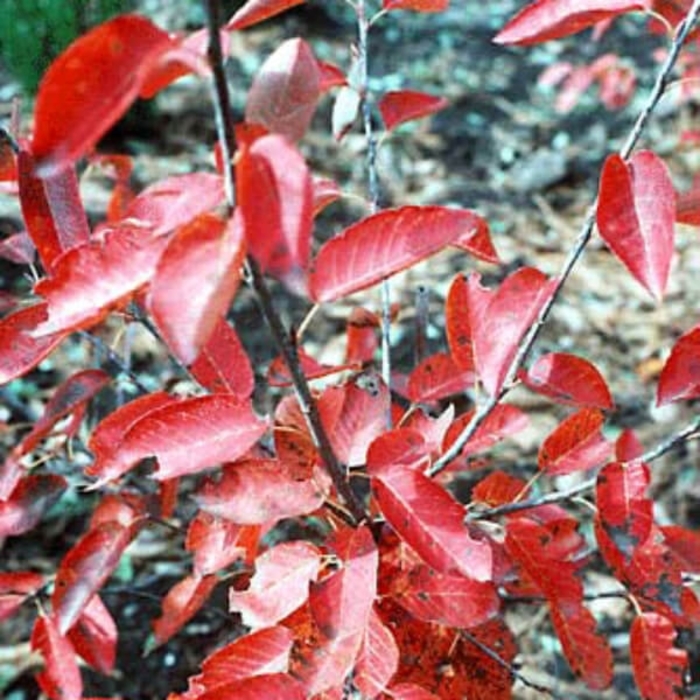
(34, 32)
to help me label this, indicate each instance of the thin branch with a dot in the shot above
(690, 432)
(282, 338)
(576, 252)
(363, 25)
(504, 664)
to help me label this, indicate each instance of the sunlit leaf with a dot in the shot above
(542, 20)
(406, 105)
(254, 11)
(383, 244)
(680, 376)
(90, 86)
(636, 215)
(94, 636)
(378, 659)
(416, 5)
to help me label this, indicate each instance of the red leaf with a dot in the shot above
(278, 374)
(255, 11)
(448, 599)
(363, 409)
(341, 603)
(69, 397)
(576, 444)
(60, 679)
(500, 318)
(378, 658)
(410, 691)
(20, 351)
(85, 568)
(15, 588)
(459, 333)
(216, 543)
(326, 191)
(685, 544)
(498, 488)
(52, 210)
(688, 203)
(279, 686)
(542, 20)
(437, 377)
(94, 636)
(587, 651)
(427, 518)
(184, 436)
(175, 201)
(416, 5)
(258, 653)
(624, 509)
(285, 91)
(222, 365)
(19, 249)
(404, 446)
(636, 214)
(361, 332)
(275, 194)
(195, 280)
(279, 586)
(405, 105)
(88, 281)
(188, 55)
(90, 85)
(383, 244)
(568, 379)
(181, 604)
(680, 376)
(28, 503)
(505, 420)
(659, 667)
(255, 492)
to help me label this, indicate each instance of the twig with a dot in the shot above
(504, 664)
(691, 431)
(282, 338)
(373, 180)
(582, 240)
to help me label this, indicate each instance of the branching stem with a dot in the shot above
(281, 336)
(576, 252)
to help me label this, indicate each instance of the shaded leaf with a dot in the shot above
(576, 444)
(285, 90)
(85, 568)
(658, 666)
(180, 604)
(222, 365)
(499, 319)
(184, 436)
(255, 492)
(195, 280)
(636, 214)
(680, 376)
(410, 691)
(542, 20)
(28, 503)
(52, 210)
(383, 244)
(326, 191)
(279, 586)
(406, 105)
(427, 518)
(15, 588)
(685, 544)
(275, 196)
(279, 686)
(60, 679)
(568, 379)
(90, 280)
(255, 11)
(20, 351)
(94, 636)
(176, 200)
(90, 86)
